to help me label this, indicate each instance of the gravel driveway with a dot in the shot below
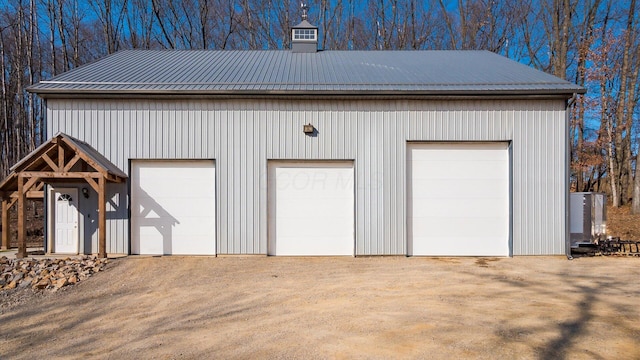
(341, 308)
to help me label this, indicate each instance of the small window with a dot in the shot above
(304, 34)
(65, 197)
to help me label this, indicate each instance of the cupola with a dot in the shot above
(304, 36)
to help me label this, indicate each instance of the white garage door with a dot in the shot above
(458, 199)
(311, 208)
(173, 207)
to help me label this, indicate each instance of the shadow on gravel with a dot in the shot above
(604, 291)
(571, 330)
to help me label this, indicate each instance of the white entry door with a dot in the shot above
(311, 208)
(66, 221)
(458, 199)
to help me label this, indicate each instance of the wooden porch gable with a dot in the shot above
(60, 159)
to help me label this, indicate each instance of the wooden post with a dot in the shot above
(22, 241)
(102, 219)
(6, 226)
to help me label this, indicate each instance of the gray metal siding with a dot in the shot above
(241, 181)
(242, 135)
(539, 147)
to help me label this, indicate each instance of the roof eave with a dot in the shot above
(76, 93)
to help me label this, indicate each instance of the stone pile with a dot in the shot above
(50, 274)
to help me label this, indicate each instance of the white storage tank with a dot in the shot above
(588, 217)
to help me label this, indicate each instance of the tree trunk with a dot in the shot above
(613, 173)
(623, 128)
(635, 203)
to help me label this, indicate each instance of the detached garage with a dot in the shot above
(306, 152)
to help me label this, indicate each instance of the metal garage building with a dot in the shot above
(305, 152)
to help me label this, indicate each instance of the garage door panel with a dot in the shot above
(321, 246)
(331, 220)
(448, 227)
(452, 207)
(455, 147)
(311, 208)
(446, 195)
(149, 230)
(461, 208)
(471, 189)
(173, 186)
(460, 170)
(309, 227)
(194, 245)
(175, 175)
(459, 198)
(316, 194)
(148, 245)
(181, 213)
(322, 207)
(173, 207)
(185, 207)
(298, 180)
(476, 246)
(194, 226)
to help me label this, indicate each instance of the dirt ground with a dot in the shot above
(623, 224)
(340, 308)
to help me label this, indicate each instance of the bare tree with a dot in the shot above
(140, 22)
(111, 15)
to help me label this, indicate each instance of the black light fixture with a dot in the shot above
(308, 129)
(85, 192)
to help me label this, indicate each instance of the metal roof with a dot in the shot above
(34, 161)
(92, 154)
(304, 24)
(272, 72)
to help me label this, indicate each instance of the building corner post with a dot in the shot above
(567, 176)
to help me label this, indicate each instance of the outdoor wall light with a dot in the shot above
(85, 192)
(308, 129)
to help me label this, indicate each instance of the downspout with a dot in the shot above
(567, 175)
